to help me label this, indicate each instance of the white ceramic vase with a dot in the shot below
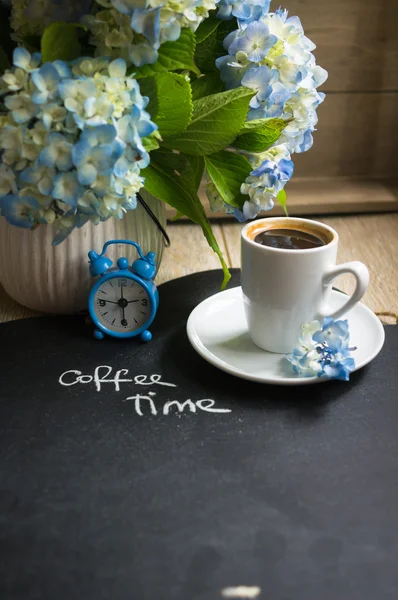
(56, 279)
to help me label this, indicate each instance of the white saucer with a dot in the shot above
(217, 330)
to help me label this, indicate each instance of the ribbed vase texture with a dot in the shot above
(56, 279)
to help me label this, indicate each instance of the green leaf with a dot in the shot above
(173, 56)
(211, 47)
(170, 104)
(228, 171)
(169, 185)
(215, 123)
(282, 199)
(260, 134)
(207, 85)
(60, 42)
(207, 27)
(198, 166)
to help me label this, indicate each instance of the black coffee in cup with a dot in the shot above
(288, 239)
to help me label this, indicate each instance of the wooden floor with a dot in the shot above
(372, 239)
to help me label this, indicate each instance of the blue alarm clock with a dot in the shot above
(124, 300)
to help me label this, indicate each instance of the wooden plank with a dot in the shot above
(356, 137)
(356, 41)
(309, 196)
(370, 238)
(188, 253)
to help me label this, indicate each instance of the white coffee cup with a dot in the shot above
(283, 288)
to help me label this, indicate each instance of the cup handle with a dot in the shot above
(361, 273)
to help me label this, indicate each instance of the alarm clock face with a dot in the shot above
(122, 304)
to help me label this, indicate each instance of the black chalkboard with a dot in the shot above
(293, 490)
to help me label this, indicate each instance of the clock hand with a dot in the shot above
(122, 307)
(130, 301)
(111, 301)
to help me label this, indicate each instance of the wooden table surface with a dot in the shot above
(372, 239)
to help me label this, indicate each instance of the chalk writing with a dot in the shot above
(179, 407)
(73, 377)
(105, 377)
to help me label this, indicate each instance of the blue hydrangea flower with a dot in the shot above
(323, 350)
(71, 143)
(269, 53)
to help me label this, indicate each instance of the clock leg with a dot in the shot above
(146, 336)
(98, 334)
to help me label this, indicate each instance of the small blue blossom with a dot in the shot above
(275, 172)
(323, 351)
(255, 41)
(67, 188)
(41, 176)
(22, 107)
(265, 182)
(334, 334)
(58, 152)
(96, 153)
(62, 69)
(243, 10)
(231, 71)
(143, 54)
(20, 211)
(46, 80)
(260, 79)
(147, 22)
(26, 61)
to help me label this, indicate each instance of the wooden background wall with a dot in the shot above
(357, 43)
